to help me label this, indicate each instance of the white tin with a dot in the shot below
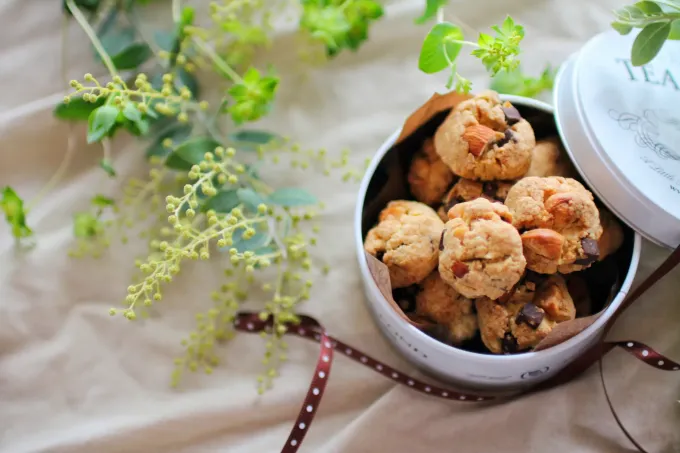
(472, 369)
(621, 127)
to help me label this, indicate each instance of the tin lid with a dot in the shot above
(621, 126)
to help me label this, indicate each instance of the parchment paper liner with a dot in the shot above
(389, 183)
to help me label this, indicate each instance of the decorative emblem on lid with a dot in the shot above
(646, 128)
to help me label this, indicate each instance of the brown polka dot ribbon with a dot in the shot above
(648, 355)
(310, 329)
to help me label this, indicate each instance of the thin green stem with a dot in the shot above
(463, 43)
(440, 15)
(219, 62)
(82, 21)
(279, 281)
(641, 23)
(176, 10)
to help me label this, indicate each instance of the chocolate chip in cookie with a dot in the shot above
(591, 251)
(530, 315)
(507, 137)
(512, 115)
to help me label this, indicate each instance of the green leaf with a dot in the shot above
(77, 109)
(439, 51)
(116, 40)
(252, 139)
(132, 113)
(339, 25)
(675, 30)
(100, 122)
(135, 124)
(223, 202)
(649, 42)
(633, 12)
(15, 215)
(187, 16)
(191, 152)
(431, 7)
(132, 57)
(102, 201)
(125, 53)
(266, 250)
(165, 39)
(258, 241)
(622, 28)
(649, 7)
(107, 167)
(253, 98)
(177, 133)
(508, 26)
(292, 196)
(89, 6)
(249, 198)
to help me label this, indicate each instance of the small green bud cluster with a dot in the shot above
(180, 215)
(248, 22)
(217, 166)
(190, 231)
(167, 101)
(212, 327)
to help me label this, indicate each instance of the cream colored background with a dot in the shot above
(74, 380)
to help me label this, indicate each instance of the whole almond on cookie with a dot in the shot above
(480, 138)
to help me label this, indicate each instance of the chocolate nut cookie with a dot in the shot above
(548, 158)
(559, 221)
(442, 304)
(428, 176)
(468, 190)
(406, 239)
(523, 318)
(485, 139)
(481, 252)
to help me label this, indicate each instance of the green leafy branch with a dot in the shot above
(339, 24)
(443, 44)
(658, 20)
(204, 198)
(520, 84)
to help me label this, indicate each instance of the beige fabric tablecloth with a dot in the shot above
(74, 380)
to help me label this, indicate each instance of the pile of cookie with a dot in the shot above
(499, 226)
